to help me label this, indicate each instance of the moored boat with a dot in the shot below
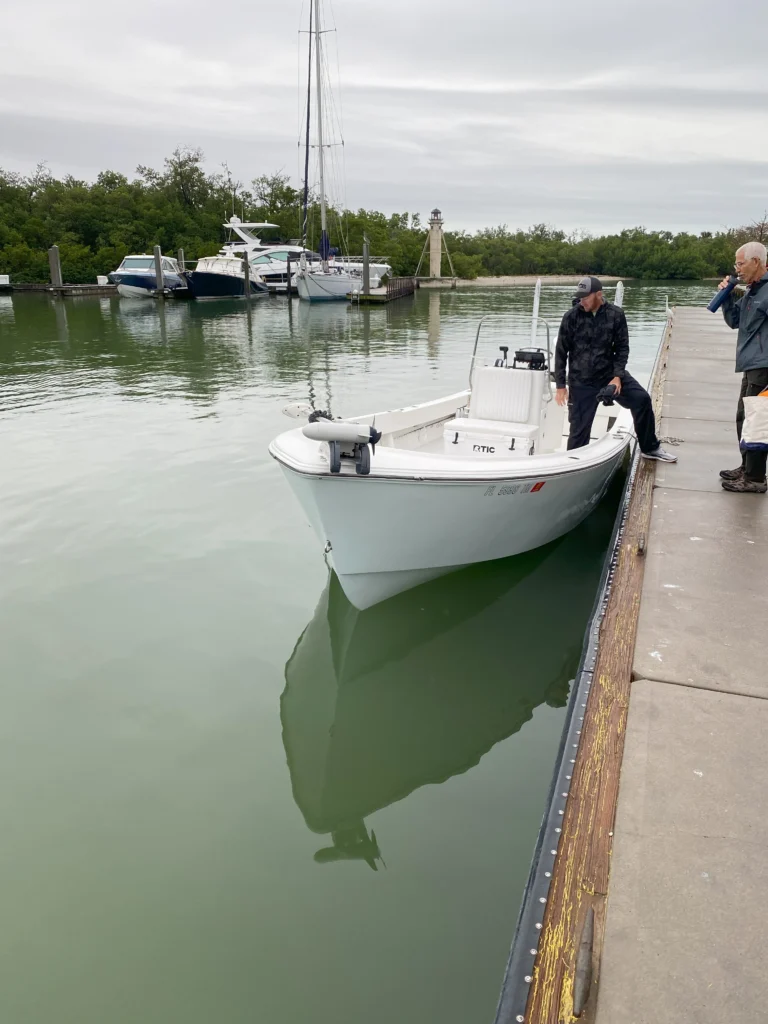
(136, 277)
(401, 497)
(217, 277)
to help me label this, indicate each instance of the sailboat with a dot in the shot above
(323, 281)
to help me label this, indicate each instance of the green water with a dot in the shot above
(227, 796)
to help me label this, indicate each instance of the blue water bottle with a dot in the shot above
(720, 297)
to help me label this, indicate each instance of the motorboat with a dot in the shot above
(403, 496)
(380, 703)
(276, 264)
(216, 277)
(136, 277)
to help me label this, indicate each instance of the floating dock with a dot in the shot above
(63, 289)
(655, 827)
(395, 288)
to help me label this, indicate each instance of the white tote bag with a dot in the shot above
(754, 433)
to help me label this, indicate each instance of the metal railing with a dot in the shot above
(398, 287)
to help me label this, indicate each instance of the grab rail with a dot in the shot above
(487, 316)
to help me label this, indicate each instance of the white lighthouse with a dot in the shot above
(435, 244)
(438, 248)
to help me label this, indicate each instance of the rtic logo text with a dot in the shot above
(483, 448)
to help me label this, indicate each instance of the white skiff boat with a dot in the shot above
(401, 497)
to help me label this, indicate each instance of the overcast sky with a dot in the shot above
(583, 116)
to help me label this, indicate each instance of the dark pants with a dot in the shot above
(752, 383)
(582, 406)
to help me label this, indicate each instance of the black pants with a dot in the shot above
(752, 383)
(582, 406)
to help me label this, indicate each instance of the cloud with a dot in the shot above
(498, 112)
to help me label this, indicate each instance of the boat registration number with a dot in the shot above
(529, 487)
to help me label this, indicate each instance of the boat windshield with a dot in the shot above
(137, 263)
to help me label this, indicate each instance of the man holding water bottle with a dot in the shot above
(750, 315)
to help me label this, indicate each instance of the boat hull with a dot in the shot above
(142, 286)
(206, 285)
(323, 287)
(384, 536)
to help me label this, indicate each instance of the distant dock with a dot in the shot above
(63, 289)
(656, 829)
(395, 288)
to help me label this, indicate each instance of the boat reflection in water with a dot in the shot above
(380, 702)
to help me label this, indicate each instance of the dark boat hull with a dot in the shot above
(204, 285)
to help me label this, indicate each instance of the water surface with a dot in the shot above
(227, 795)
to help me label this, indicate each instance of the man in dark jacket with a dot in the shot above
(750, 315)
(594, 344)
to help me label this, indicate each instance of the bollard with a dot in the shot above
(159, 280)
(54, 261)
(246, 277)
(366, 266)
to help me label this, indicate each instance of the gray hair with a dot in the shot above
(753, 250)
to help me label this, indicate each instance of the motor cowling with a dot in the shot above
(345, 440)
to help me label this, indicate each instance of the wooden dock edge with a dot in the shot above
(577, 832)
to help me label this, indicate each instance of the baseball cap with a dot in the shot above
(587, 286)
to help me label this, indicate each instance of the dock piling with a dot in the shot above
(366, 266)
(159, 280)
(54, 261)
(246, 277)
(181, 261)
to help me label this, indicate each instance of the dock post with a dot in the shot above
(366, 266)
(181, 261)
(288, 276)
(246, 277)
(54, 261)
(159, 280)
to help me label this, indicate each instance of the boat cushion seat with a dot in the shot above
(506, 393)
(491, 428)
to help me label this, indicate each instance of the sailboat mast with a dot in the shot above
(324, 245)
(305, 203)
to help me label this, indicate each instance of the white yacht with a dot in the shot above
(271, 262)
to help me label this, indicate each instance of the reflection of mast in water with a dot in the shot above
(409, 693)
(312, 326)
(433, 324)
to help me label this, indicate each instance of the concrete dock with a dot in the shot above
(687, 911)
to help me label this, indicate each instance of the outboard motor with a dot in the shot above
(345, 441)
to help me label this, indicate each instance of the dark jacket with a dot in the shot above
(750, 315)
(595, 346)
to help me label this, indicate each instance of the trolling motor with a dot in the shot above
(345, 441)
(607, 394)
